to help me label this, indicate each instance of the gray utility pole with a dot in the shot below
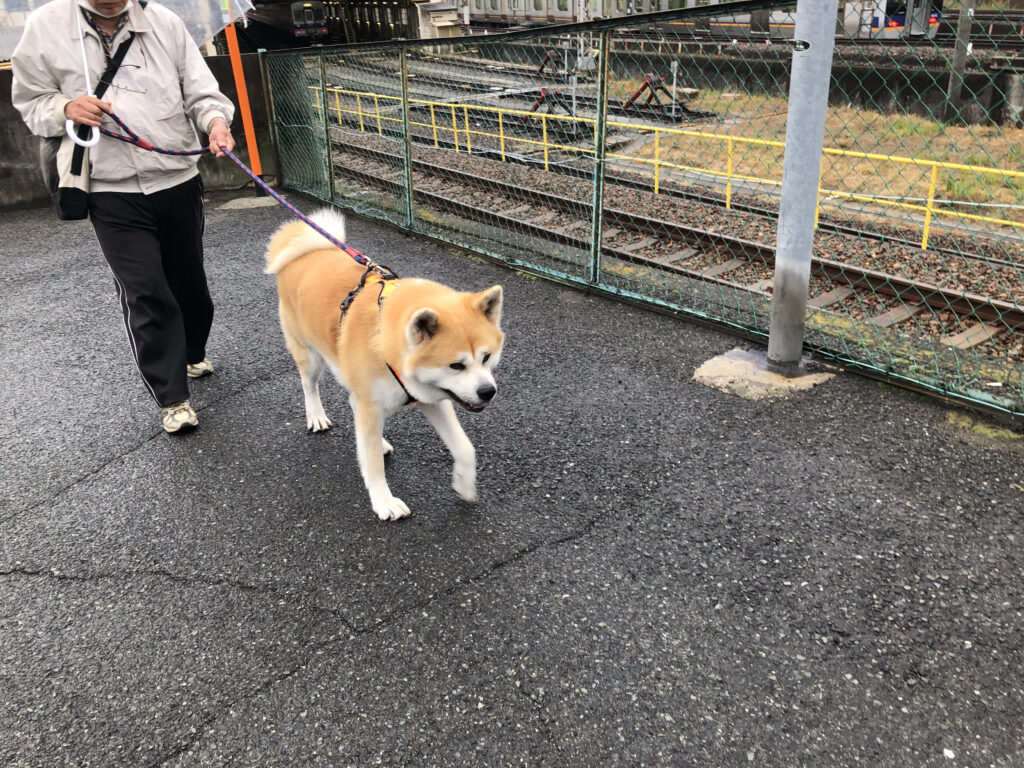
(814, 41)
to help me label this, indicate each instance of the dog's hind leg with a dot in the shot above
(370, 445)
(442, 418)
(316, 416)
(311, 365)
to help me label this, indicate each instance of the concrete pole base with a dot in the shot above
(747, 374)
(788, 369)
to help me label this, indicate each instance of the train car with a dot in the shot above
(863, 19)
(374, 20)
(288, 24)
(285, 24)
(308, 20)
(893, 19)
(503, 14)
(735, 26)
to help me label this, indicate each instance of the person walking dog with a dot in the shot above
(146, 208)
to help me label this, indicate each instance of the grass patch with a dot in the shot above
(906, 127)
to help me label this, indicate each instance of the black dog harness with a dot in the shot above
(375, 273)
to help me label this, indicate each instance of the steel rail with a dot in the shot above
(520, 226)
(964, 303)
(679, 193)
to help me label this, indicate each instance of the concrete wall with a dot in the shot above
(21, 182)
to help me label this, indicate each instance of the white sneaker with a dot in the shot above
(179, 418)
(198, 370)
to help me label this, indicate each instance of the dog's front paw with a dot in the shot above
(464, 483)
(388, 448)
(318, 423)
(392, 508)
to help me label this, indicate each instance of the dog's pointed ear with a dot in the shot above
(489, 302)
(422, 326)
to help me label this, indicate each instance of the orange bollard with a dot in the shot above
(243, 99)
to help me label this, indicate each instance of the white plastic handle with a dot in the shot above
(72, 132)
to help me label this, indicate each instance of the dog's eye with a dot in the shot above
(457, 367)
(487, 357)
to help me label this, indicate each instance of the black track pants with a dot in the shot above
(154, 246)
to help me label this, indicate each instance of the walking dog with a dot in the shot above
(389, 342)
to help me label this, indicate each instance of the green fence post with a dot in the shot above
(600, 131)
(268, 98)
(327, 130)
(407, 138)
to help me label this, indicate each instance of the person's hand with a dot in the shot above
(86, 110)
(220, 136)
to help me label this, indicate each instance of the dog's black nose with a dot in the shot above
(486, 393)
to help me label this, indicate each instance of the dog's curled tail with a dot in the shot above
(296, 238)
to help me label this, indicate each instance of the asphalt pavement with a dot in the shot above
(657, 573)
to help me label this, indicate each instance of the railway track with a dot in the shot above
(974, 249)
(725, 261)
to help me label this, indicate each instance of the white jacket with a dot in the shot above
(162, 90)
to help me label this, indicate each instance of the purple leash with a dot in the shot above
(130, 137)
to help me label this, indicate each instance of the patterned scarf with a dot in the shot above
(106, 39)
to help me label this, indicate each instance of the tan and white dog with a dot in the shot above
(396, 342)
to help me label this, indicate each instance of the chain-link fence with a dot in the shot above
(643, 157)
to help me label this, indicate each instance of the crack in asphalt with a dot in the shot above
(461, 584)
(210, 718)
(191, 581)
(63, 490)
(7, 517)
(267, 685)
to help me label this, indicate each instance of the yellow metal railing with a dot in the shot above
(462, 139)
(461, 136)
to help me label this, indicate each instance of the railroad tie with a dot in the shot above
(726, 266)
(517, 210)
(977, 333)
(896, 315)
(830, 297)
(546, 216)
(672, 259)
(632, 247)
(571, 227)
